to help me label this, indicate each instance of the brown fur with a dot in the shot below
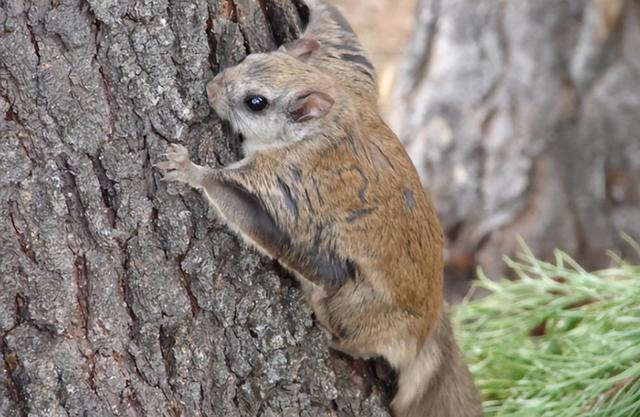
(334, 198)
(340, 52)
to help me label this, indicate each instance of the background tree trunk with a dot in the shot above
(120, 295)
(523, 119)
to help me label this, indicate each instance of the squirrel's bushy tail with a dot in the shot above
(437, 383)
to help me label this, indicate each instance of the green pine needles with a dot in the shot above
(559, 342)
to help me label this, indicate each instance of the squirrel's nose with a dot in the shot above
(214, 92)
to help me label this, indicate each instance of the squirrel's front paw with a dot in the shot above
(178, 166)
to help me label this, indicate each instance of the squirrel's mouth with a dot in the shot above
(227, 127)
(229, 130)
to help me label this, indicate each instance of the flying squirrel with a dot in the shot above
(326, 189)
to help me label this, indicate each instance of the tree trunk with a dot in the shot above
(121, 295)
(523, 119)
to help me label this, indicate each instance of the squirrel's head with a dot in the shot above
(274, 98)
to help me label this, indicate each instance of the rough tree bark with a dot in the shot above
(120, 295)
(523, 119)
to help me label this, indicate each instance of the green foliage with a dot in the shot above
(558, 342)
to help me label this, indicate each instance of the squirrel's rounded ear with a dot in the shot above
(310, 105)
(300, 48)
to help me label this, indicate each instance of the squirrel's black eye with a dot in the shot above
(256, 103)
